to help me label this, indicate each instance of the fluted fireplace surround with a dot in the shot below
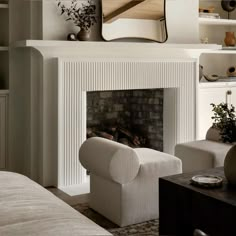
(58, 89)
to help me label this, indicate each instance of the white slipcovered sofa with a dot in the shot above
(124, 181)
(27, 209)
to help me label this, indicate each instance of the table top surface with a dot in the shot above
(225, 193)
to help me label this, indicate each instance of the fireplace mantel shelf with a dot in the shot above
(128, 49)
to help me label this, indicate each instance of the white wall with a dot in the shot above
(182, 22)
(55, 26)
(25, 20)
(41, 19)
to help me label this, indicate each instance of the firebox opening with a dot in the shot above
(131, 117)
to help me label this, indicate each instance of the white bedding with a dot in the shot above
(26, 208)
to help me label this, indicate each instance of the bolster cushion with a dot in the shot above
(109, 159)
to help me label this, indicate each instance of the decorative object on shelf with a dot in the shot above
(230, 165)
(231, 71)
(229, 39)
(207, 9)
(71, 37)
(228, 5)
(200, 72)
(83, 15)
(211, 78)
(224, 119)
(204, 40)
(207, 181)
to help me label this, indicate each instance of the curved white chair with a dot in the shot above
(124, 181)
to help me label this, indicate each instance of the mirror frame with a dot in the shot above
(133, 37)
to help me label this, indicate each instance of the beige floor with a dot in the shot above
(71, 200)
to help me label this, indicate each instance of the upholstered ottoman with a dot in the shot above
(124, 181)
(201, 154)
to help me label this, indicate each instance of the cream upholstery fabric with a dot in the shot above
(117, 162)
(201, 154)
(27, 209)
(125, 202)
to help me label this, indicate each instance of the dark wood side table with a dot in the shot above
(184, 207)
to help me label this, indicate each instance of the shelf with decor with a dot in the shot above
(4, 82)
(4, 45)
(218, 85)
(217, 22)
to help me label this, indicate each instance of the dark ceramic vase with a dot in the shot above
(228, 5)
(230, 166)
(83, 35)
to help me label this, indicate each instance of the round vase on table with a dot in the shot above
(230, 166)
(83, 35)
(229, 39)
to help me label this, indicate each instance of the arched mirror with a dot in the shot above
(134, 19)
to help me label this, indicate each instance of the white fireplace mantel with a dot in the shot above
(48, 96)
(117, 49)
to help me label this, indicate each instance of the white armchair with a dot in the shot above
(124, 181)
(202, 154)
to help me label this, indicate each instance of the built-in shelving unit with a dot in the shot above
(215, 62)
(4, 82)
(4, 43)
(213, 30)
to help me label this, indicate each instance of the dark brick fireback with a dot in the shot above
(140, 111)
